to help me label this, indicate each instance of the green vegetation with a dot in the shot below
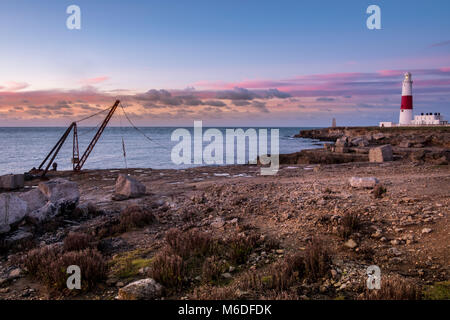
(127, 265)
(438, 291)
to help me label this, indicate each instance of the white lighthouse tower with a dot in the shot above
(406, 109)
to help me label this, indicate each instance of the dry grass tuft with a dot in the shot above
(350, 223)
(76, 241)
(212, 269)
(214, 293)
(378, 191)
(317, 260)
(240, 248)
(278, 278)
(49, 266)
(135, 217)
(394, 289)
(190, 243)
(170, 270)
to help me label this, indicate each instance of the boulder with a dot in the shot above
(381, 154)
(128, 187)
(365, 182)
(60, 190)
(12, 210)
(12, 181)
(145, 289)
(35, 199)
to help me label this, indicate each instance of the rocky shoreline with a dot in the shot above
(352, 144)
(309, 232)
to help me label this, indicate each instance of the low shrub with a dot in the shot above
(378, 191)
(350, 223)
(212, 269)
(135, 217)
(317, 260)
(76, 241)
(49, 266)
(169, 269)
(240, 248)
(214, 293)
(278, 278)
(189, 243)
(393, 289)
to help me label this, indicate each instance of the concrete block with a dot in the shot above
(12, 181)
(381, 154)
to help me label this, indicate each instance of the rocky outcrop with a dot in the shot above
(418, 137)
(128, 187)
(321, 156)
(145, 289)
(416, 144)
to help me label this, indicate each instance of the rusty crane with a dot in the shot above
(76, 160)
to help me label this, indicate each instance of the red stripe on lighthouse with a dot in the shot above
(407, 102)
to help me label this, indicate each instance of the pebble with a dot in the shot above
(351, 244)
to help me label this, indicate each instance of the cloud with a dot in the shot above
(236, 94)
(244, 94)
(308, 95)
(440, 44)
(95, 80)
(14, 86)
(214, 103)
(241, 103)
(261, 106)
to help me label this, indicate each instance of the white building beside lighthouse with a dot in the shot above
(406, 117)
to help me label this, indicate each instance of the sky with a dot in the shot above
(228, 63)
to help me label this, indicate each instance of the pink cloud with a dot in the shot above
(330, 90)
(14, 86)
(391, 73)
(95, 80)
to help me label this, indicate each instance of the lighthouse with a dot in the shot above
(406, 109)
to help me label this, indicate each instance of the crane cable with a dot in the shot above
(93, 115)
(123, 143)
(139, 130)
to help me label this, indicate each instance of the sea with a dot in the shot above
(23, 148)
